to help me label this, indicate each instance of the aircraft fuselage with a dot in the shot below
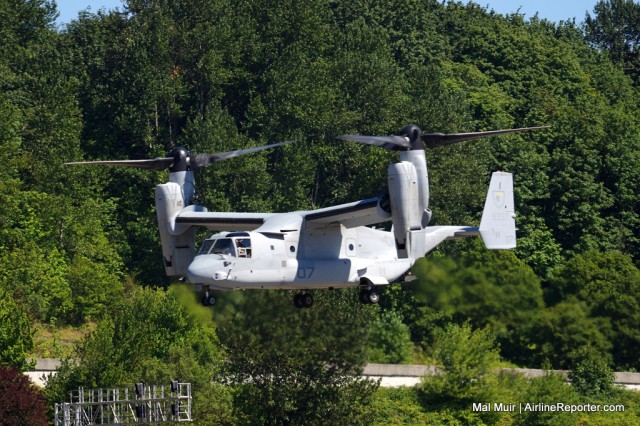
(330, 257)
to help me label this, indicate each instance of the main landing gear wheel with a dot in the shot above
(303, 300)
(369, 296)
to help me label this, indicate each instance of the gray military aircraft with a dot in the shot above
(333, 247)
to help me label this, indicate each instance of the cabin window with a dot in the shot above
(244, 247)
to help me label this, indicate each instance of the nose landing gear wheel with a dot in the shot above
(207, 300)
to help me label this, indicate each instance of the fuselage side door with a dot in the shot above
(291, 244)
(350, 247)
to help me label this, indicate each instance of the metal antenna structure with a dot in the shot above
(140, 404)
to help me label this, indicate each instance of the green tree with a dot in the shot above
(487, 288)
(275, 388)
(466, 359)
(548, 390)
(333, 332)
(15, 334)
(590, 374)
(149, 336)
(40, 232)
(608, 285)
(289, 365)
(518, 72)
(389, 340)
(402, 405)
(234, 185)
(465, 356)
(561, 331)
(36, 277)
(614, 27)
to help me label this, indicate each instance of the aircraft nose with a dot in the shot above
(205, 269)
(197, 272)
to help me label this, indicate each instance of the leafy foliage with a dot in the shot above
(465, 356)
(295, 366)
(492, 289)
(280, 389)
(15, 334)
(21, 402)
(590, 375)
(220, 75)
(608, 285)
(147, 337)
(389, 340)
(614, 28)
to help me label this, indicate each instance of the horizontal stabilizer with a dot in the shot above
(498, 224)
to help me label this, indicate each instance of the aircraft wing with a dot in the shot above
(217, 221)
(350, 215)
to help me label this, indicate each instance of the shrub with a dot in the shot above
(21, 402)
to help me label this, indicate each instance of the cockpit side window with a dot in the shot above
(244, 247)
(206, 246)
(224, 246)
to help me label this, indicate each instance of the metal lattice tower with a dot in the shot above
(151, 404)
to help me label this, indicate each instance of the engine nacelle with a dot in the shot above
(384, 206)
(178, 244)
(404, 198)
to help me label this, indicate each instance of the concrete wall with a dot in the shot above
(44, 367)
(390, 375)
(393, 375)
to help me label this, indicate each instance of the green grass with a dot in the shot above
(57, 342)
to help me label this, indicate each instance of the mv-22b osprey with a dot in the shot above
(332, 247)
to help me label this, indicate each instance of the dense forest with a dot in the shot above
(80, 253)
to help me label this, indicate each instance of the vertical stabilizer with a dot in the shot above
(498, 224)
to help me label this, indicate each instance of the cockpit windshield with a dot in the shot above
(240, 247)
(223, 246)
(206, 246)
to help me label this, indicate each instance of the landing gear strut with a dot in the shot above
(303, 300)
(369, 296)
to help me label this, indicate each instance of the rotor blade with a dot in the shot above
(150, 164)
(392, 143)
(202, 160)
(436, 140)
